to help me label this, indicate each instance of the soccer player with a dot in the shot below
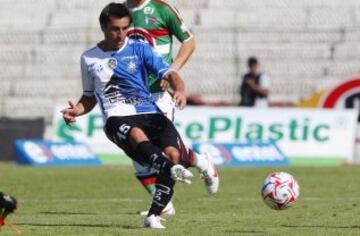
(156, 22)
(8, 205)
(114, 74)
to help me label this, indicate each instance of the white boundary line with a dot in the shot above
(209, 199)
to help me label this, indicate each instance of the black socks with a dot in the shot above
(164, 183)
(155, 156)
(163, 193)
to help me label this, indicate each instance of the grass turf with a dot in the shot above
(104, 200)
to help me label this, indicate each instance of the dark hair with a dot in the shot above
(252, 61)
(117, 10)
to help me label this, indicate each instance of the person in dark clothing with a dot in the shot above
(254, 89)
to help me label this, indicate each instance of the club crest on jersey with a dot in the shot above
(131, 67)
(112, 63)
(149, 10)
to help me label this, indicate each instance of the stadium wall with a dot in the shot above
(12, 129)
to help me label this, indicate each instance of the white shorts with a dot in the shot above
(164, 101)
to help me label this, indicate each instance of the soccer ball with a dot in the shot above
(280, 190)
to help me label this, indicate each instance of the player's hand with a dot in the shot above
(165, 85)
(180, 99)
(70, 113)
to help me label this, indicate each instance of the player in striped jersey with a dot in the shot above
(157, 22)
(115, 75)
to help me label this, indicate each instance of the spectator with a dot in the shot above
(254, 89)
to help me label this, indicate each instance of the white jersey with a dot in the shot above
(118, 79)
(264, 82)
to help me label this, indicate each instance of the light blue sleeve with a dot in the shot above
(154, 62)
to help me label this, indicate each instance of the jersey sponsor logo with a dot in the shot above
(149, 10)
(115, 97)
(111, 91)
(95, 68)
(150, 20)
(124, 58)
(112, 63)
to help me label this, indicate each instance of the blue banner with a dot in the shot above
(49, 153)
(243, 154)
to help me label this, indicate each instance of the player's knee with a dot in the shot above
(173, 154)
(137, 136)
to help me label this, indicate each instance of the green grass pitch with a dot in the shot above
(104, 201)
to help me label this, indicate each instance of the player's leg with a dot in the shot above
(125, 132)
(168, 173)
(174, 148)
(148, 176)
(203, 162)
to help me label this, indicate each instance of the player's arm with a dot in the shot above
(155, 64)
(87, 101)
(257, 89)
(177, 88)
(185, 51)
(83, 106)
(177, 27)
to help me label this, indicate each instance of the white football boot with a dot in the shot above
(179, 173)
(210, 176)
(169, 210)
(153, 222)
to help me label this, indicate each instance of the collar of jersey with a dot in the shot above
(119, 50)
(140, 7)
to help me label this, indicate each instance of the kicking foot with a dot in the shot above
(179, 173)
(210, 176)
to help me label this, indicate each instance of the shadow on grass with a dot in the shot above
(322, 226)
(81, 225)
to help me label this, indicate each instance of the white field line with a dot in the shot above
(202, 199)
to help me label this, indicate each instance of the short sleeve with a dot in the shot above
(154, 61)
(265, 81)
(87, 80)
(176, 24)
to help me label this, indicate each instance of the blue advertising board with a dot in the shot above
(49, 153)
(243, 154)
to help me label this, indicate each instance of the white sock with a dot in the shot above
(201, 162)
